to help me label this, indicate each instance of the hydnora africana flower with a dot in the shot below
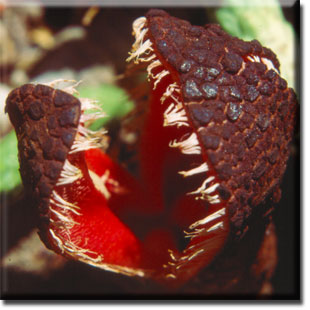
(214, 146)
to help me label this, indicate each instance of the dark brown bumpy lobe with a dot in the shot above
(242, 111)
(45, 120)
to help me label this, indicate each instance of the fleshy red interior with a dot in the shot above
(145, 215)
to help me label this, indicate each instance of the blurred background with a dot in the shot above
(44, 43)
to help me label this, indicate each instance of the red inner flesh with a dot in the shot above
(156, 207)
(98, 229)
(167, 189)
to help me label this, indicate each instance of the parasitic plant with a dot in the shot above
(213, 147)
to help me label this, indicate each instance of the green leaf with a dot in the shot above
(235, 26)
(113, 100)
(264, 21)
(9, 165)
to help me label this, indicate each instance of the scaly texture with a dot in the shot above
(241, 109)
(45, 120)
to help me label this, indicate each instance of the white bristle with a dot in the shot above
(216, 226)
(269, 64)
(200, 189)
(200, 169)
(175, 116)
(174, 87)
(209, 218)
(187, 146)
(69, 174)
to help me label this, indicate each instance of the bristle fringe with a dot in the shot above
(188, 146)
(69, 174)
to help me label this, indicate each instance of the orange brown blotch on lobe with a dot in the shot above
(220, 115)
